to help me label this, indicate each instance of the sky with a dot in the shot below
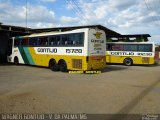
(122, 16)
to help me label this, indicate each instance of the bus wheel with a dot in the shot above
(16, 61)
(53, 65)
(128, 62)
(63, 66)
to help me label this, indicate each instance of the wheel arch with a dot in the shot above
(52, 59)
(61, 60)
(16, 60)
(128, 58)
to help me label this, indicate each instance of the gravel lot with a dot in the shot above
(118, 89)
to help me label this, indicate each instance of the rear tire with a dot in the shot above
(63, 66)
(128, 62)
(16, 61)
(53, 65)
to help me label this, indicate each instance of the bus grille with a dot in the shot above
(145, 60)
(77, 63)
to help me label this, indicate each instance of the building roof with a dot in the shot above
(132, 36)
(25, 31)
(11, 28)
(14, 29)
(136, 35)
(108, 31)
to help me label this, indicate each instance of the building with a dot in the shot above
(8, 31)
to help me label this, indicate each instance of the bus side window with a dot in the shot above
(58, 38)
(148, 48)
(16, 42)
(141, 48)
(20, 41)
(79, 37)
(33, 41)
(121, 47)
(43, 41)
(54, 40)
(109, 47)
(58, 42)
(130, 47)
(65, 39)
(66, 42)
(51, 40)
(71, 39)
(115, 47)
(126, 47)
(133, 47)
(74, 43)
(145, 48)
(24, 41)
(76, 39)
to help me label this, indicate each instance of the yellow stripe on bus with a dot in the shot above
(43, 60)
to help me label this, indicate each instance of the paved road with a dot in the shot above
(118, 89)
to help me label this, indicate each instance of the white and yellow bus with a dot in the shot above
(129, 53)
(80, 49)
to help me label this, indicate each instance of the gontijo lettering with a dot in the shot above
(47, 50)
(131, 54)
(97, 41)
(122, 53)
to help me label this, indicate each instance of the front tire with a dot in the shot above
(128, 62)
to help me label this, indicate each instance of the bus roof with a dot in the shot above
(53, 33)
(131, 42)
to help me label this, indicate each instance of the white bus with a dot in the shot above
(130, 53)
(80, 49)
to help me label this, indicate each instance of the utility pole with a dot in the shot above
(26, 13)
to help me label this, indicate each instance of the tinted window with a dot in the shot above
(130, 47)
(16, 42)
(21, 42)
(43, 41)
(65, 39)
(54, 40)
(75, 39)
(24, 41)
(33, 41)
(145, 48)
(114, 47)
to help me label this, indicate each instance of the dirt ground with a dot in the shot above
(118, 89)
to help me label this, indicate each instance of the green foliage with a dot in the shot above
(108, 40)
(139, 40)
(126, 40)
